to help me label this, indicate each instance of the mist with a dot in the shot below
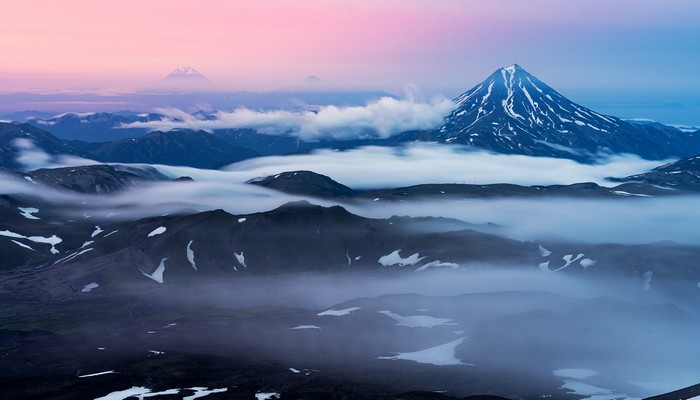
(624, 221)
(503, 314)
(628, 221)
(418, 163)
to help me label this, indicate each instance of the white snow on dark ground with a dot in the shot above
(157, 275)
(306, 327)
(52, 240)
(338, 313)
(73, 255)
(125, 394)
(577, 381)
(437, 263)
(22, 245)
(394, 258)
(142, 393)
(27, 212)
(587, 262)
(544, 252)
(417, 321)
(158, 231)
(89, 287)
(443, 354)
(190, 255)
(267, 396)
(96, 374)
(202, 392)
(97, 231)
(240, 258)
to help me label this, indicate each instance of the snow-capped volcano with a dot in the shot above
(514, 112)
(185, 73)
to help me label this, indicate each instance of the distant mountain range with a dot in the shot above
(186, 148)
(511, 112)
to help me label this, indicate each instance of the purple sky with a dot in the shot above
(595, 51)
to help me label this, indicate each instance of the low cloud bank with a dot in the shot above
(32, 157)
(418, 163)
(380, 119)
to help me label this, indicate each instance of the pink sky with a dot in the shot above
(263, 44)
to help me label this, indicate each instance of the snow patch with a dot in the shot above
(306, 327)
(157, 275)
(417, 321)
(337, 313)
(266, 396)
(89, 287)
(96, 374)
(240, 258)
(125, 394)
(443, 354)
(587, 262)
(544, 252)
(53, 240)
(242, 219)
(97, 231)
(22, 245)
(628, 194)
(394, 258)
(27, 212)
(86, 244)
(202, 391)
(158, 231)
(569, 260)
(190, 255)
(73, 255)
(437, 263)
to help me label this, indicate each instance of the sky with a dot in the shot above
(596, 51)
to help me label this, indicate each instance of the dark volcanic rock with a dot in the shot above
(306, 183)
(182, 147)
(505, 190)
(681, 394)
(683, 174)
(96, 179)
(297, 237)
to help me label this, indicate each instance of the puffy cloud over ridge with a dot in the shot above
(380, 119)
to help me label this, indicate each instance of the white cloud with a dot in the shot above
(380, 119)
(418, 163)
(30, 156)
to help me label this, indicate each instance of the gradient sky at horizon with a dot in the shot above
(583, 47)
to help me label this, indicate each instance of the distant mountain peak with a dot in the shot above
(512, 111)
(185, 73)
(513, 68)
